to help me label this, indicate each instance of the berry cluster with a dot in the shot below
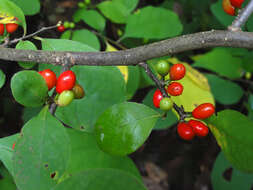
(62, 28)
(10, 28)
(187, 130)
(66, 87)
(176, 72)
(231, 6)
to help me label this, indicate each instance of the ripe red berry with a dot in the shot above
(61, 28)
(199, 128)
(11, 27)
(13, 146)
(1, 29)
(185, 131)
(203, 111)
(65, 81)
(49, 77)
(157, 97)
(237, 3)
(175, 89)
(177, 71)
(228, 8)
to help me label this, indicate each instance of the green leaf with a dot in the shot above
(29, 88)
(162, 123)
(91, 17)
(218, 86)
(42, 150)
(220, 14)
(9, 8)
(238, 180)
(29, 113)
(6, 151)
(97, 179)
(86, 37)
(124, 127)
(233, 132)
(222, 62)
(115, 11)
(6, 180)
(26, 45)
(2, 78)
(133, 81)
(29, 7)
(129, 4)
(85, 155)
(162, 24)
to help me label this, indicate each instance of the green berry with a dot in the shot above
(163, 67)
(248, 75)
(72, 25)
(166, 104)
(65, 98)
(66, 24)
(78, 91)
(81, 5)
(87, 2)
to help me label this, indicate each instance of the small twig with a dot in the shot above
(242, 17)
(33, 34)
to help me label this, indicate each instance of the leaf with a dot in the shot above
(2, 78)
(238, 180)
(218, 86)
(153, 23)
(86, 37)
(219, 13)
(6, 151)
(233, 132)
(29, 88)
(10, 9)
(91, 17)
(97, 179)
(124, 127)
(42, 151)
(115, 11)
(85, 155)
(29, 113)
(6, 180)
(129, 4)
(29, 7)
(221, 61)
(162, 123)
(26, 45)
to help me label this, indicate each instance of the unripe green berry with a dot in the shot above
(66, 24)
(72, 25)
(163, 67)
(166, 104)
(65, 98)
(248, 75)
(81, 5)
(78, 91)
(87, 2)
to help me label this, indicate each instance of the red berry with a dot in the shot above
(11, 27)
(236, 3)
(175, 89)
(228, 8)
(157, 97)
(49, 77)
(185, 131)
(203, 111)
(199, 128)
(61, 28)
(177, 71)
(13, 146)
(66, 81)
(1, 29)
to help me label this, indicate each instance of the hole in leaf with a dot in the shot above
(227, 174)
(52, 175)
(82, 127)
(46, 165)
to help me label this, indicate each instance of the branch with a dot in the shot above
(135, 55)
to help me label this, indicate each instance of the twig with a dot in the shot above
(242, 17)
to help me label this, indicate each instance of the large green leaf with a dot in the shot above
(153, 23)
(218, 86)
(29, 7)
(42, 151)
(91, 17)
(222, 62)
(6, 151)
(97, 179)
(85, 154)
(124, 127)
(238, 179)
(6, 180)
(8, 8)
(2, 78)
(29, 88)
(163, 122)
(233, 132)
(26, 45)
